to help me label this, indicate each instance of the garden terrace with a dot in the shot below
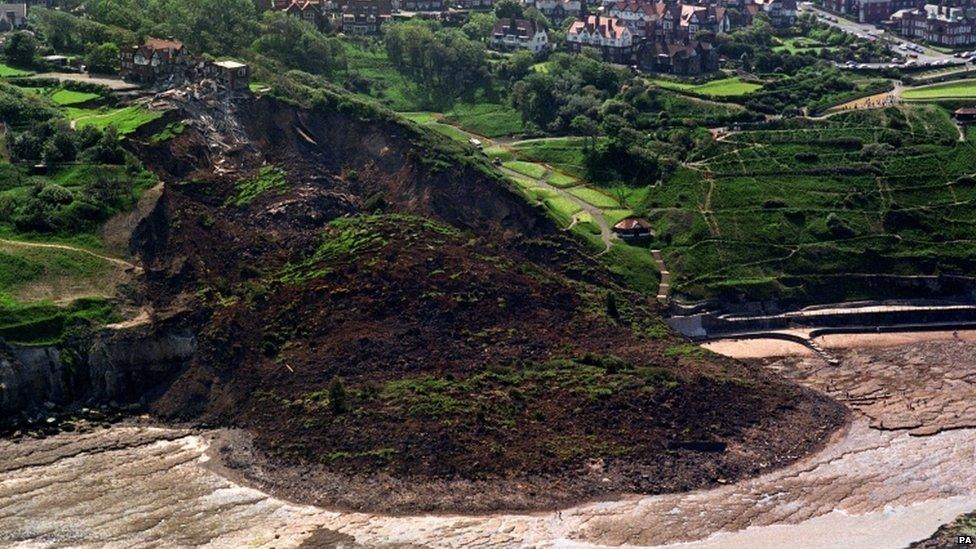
(786, 212)
(55, 275)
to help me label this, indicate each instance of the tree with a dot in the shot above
(338, 401)
(298, 44)
(516, 66)
(533, 14)
(107, 149)
(534, 96)
(102, 59)
(612, 310)
(20, 49)
(444, 63)
(218, 27)
(510, 9)
(60, 148)
(585, 126)
(479, 26)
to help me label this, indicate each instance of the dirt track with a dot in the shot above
(872, 487)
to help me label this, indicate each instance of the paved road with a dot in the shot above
(115, 84)
(927, 56)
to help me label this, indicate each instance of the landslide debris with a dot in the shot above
(398, 330)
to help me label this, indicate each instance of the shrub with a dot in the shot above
(338, 400)
(838, 227)
(612, 310)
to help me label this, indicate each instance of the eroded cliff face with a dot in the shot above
(121, 367)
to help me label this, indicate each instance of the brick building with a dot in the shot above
(951, 26)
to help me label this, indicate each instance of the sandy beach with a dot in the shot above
(767, 348)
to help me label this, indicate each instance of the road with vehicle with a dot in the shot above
(927, 56)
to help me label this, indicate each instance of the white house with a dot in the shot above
(637, 15)
(609, 35)
(519, 34)
(13, 16)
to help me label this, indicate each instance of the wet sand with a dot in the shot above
(765, 348)
(906, 465)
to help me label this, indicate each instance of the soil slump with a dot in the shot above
(134, 486)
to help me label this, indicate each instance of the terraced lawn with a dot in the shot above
(725, 87)
(535, 171)
(453, 132)
(594, 197)
(633, 263)
(827, 209)
(421, 117)
(487, 119)
(71, 97)
(946, 90)
(557, 179)
(6, 71)
(125, 119)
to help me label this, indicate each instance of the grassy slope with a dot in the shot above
(397, 92)
(6, 71)
(947, 90)
(725, 87)
(125, 119)
(44, 290)
(789, 209)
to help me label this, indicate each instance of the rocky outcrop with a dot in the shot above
(120, 367)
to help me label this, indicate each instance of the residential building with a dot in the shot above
(713, 18)
(633, 228)
(640, 16)
(474, 4)
(684, 58)
(965, 115)
(782, 13)
(12, 17)
(365, 16)
(938, 24)
(230, 74)
(422, 5)
(608, 35)
(310, 11)
(519, 34)
(154, 60)
(671, 20)
(871, 11)
(557, 10)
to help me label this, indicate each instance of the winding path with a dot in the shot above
(606, 234)
(65, 247)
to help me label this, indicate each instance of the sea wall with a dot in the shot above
(842, 317)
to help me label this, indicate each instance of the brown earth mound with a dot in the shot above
(431, 356)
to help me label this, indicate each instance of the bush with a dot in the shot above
(20, 49)
(838, 227)
(338, 400)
